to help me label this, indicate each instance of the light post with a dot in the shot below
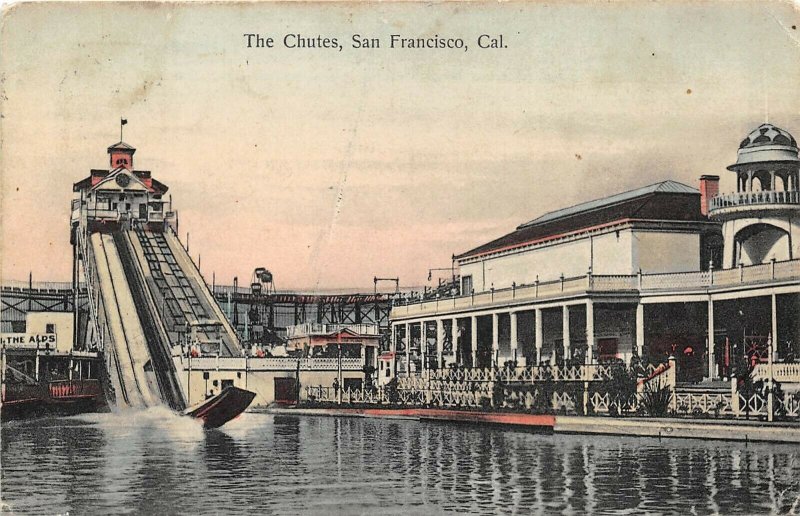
(339, 378)
(189, 379)
(452, 270)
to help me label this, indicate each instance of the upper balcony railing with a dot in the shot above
(769, 197)
(82, 211)
(270, 364)
(673, 282)
(308, 329)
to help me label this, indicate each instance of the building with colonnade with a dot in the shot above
(666, 269)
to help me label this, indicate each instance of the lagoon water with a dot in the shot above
(154, 462)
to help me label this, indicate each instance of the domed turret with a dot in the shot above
(766, 144)
(759, 219)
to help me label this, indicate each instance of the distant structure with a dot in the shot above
(121, 197)
(160, 333)
(666, 269)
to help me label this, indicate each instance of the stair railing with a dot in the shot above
(89, 271)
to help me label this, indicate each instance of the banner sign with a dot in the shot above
(28, 340)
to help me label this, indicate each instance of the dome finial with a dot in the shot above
(766, 96)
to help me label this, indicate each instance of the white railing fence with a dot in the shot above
(305, 329)
(677, 281)
(754, 198)
(215, 363)
(522, 389)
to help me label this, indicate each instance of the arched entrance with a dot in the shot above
(760, 243)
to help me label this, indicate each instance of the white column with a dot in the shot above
(640, 330)
(423, 344)
(454, 338)
(771, 359)
(589, 331)
(587, 372)
(439, 342)
(774, 323)
(495, 337)
(514, 343)
(408, 349)
(565, 331)
(393, 343)
(711, 359)
(474, 343)
(538, 335)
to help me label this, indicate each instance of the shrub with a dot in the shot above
(656, 401)
(498, 394)
(622, 386)
(391, 391)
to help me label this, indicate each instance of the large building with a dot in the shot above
(666, 269)
(121, 197)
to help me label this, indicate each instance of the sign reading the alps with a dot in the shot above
(28, 340)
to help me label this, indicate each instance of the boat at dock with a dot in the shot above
(57, 398)
(42, 376)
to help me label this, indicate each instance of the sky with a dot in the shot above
(331, 167)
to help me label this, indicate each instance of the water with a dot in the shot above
(153, 462)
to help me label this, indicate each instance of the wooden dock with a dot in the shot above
(718, 429)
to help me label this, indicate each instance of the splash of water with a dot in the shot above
(160, 418)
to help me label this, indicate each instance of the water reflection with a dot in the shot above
(153, 462)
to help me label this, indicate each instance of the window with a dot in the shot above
(114, 206)
(102, 204)
(353, 384)
(127, 206)
(466, 285)
(607, 348)
(49, 328)
(121, 197)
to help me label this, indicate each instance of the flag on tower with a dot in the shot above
(123, 121)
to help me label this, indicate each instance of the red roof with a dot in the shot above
(98, 174)
(650, 206)
(122, 146)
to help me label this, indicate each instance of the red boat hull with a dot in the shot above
(219, 409)
(63, 398)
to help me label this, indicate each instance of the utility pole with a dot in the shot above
(339, 369)
(396, 281)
